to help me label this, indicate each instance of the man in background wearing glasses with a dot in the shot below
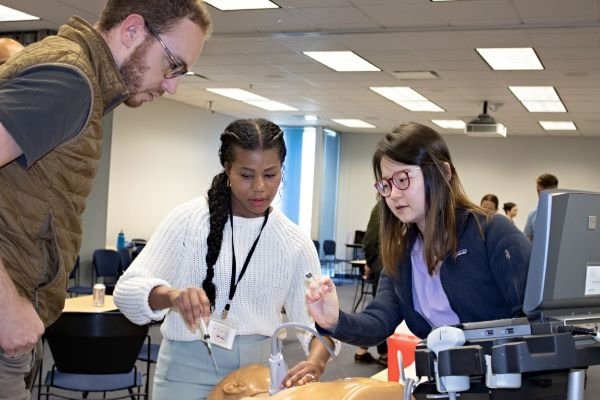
(53, 95)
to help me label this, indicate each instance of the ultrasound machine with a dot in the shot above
(544, 354)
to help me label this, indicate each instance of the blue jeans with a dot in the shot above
(185, 370)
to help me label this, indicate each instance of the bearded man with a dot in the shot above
(53, 95)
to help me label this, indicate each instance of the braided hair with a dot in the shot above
(246, 134)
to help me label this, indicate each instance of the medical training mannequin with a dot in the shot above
(248, 381)
(252, 381)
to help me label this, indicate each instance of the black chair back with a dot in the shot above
(359, 237)
(95, 343)
(106, 263)
(76, 288)
(73, 274)
(124, 258)
(329, 247)
(137, 249)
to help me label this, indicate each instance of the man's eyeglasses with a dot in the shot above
(400, 179)
(177, 67)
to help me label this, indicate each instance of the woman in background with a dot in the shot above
(490, 202)
(511, 210)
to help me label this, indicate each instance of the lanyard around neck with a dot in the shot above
(233, 284)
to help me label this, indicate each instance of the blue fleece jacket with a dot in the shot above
(485, 281)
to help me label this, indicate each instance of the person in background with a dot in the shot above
(231, 257)
(372, 271)
(490, 202)
(446, 260)
(50, 147)
(511, 210)
(8, 47)
(543, 182)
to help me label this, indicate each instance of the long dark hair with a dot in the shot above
(247, 134)
(416, 144)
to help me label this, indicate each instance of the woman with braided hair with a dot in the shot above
(231, 257)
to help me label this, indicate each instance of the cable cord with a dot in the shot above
(276, 348)
(577, 330)
(409, 387)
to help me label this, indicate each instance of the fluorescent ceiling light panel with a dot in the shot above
(310, 118)
(558, 125)
(407, 98)
(230, 5)
(342, 61)
(8, 14)
(252, 99)
(538, 98)
(353, 123)
(449, 123)
(511, 59)
(535, 93)
(544, 106)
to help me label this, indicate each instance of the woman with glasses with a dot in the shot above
(446, 260)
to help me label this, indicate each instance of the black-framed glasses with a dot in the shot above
(177, 67)
(400, 179)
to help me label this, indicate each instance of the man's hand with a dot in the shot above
(20, 327)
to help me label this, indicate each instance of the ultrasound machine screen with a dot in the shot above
(564, 269)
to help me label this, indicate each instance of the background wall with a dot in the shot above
(506, 167)
(96, 209)
(163, 154)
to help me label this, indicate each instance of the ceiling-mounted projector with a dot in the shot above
(485, 126)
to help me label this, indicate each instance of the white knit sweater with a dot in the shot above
(175, 257)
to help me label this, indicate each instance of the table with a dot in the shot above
(86, 304)
(356, 247)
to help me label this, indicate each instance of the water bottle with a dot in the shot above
(121, 241)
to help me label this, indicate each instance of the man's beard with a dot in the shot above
(132, 71)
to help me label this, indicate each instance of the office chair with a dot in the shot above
(107, 265)
(358, 253)
(330, 261)
(149, 351)
(364, 288)
(124, 258)
(138, 246)
(77, 289)
(94, 352)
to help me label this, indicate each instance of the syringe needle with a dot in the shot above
(206, 338)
